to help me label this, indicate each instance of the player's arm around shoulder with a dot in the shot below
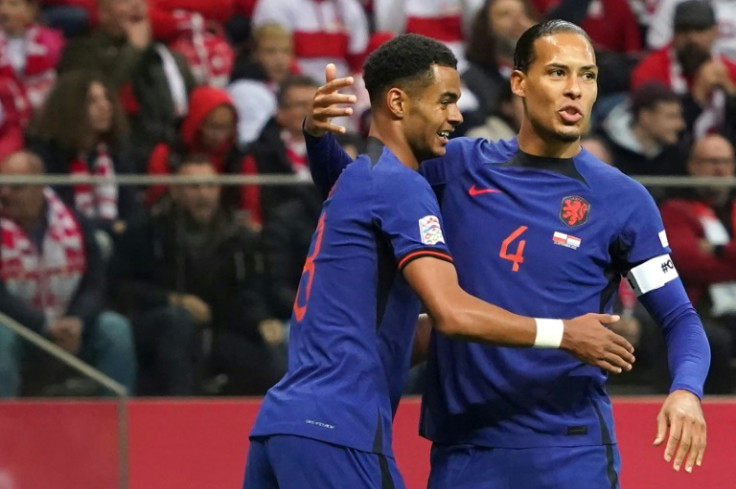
(457, 314)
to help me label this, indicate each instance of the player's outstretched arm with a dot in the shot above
(457, 314)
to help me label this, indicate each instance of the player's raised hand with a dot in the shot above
(329, 103)
(683, 415)
(586, 338)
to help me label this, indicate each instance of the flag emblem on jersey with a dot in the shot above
(574, 210)
(566, 240)
(430, 230)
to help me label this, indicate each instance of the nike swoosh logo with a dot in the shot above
(473, 191)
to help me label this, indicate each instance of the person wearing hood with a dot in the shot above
(644, 134)
(208, 129)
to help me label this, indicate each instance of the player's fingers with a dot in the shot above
(622, 353)
(329, 112)
(623, 342)
(328, 99)
(661, 428)
(336, 84)
(620, 358)
(686, 442)
(608, 318)
(330, 72)
(608, 366)
(674, 438)
(702, 443)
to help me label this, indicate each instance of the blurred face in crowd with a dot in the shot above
(274, 52)
(218, 127)
(16, 16)
(508, 20)
(702, 38)
(712, 156)
(22, 203)
(294, 108)
(663, 122)
(99, 108)
(115, 15)
(200, 201)
(559, 89)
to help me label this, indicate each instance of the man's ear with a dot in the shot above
(397, 102)
(518, 83)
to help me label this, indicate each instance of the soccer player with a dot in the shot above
(539, 226)
(379, 241)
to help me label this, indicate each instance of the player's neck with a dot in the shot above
(532, 143)
(396, 142)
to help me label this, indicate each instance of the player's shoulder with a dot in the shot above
(482, 151)
(610, 183)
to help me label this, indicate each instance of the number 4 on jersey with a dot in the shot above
(518, 256)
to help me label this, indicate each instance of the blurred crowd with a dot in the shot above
(187, 289)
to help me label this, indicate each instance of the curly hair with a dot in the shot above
(403, 61)
(63, 119)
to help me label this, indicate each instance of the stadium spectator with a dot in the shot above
(81, 130)
(705, 80)
(659, 33)
(448, 21)
(325, 31)
(700, 227)
(645, 134)
(280, 148)
(189, 273)
(257, 76)
(210, 129)
(29, 54)
(152, 81)
(29, 51)
(53, 281)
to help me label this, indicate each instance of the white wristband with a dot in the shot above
(549, 333)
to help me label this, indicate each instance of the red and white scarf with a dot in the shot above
(99, 201)
(47, 278)
(43, 47)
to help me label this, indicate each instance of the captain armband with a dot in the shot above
(652, 274)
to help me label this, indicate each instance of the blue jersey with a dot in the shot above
(541, 237)
(354, 316)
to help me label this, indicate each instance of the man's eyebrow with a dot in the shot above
(452, 95)
(566, 67)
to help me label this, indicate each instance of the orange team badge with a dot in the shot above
(574, 210)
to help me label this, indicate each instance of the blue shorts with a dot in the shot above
(473, 467)
(295, 462)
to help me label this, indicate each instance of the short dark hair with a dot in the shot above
(525, 54)
(648, 96)
(291, 82)
(192, 159)
(404, 59)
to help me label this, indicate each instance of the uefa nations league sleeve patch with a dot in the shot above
(430, 230)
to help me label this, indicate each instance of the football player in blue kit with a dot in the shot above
(541, 227)
(378, 245)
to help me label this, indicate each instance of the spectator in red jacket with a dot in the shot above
(700, 226)
(208, 129)
(29, 53)
(705, 80)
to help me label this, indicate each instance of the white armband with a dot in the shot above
(549, 333)
(652, 274)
